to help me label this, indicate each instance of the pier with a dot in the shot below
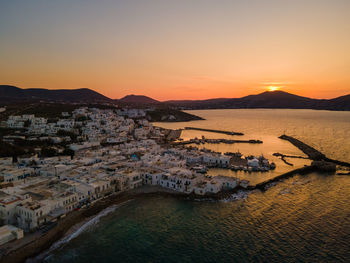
(215, 131)
(311, 152)
(304, 170)
(289, 156)
(308, 150)
(284, 156)
(321, 163)
(216, 141)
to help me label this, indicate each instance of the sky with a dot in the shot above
(183, 49)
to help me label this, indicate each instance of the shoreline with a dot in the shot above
(73, 221)
(39, 244)
(75, 231)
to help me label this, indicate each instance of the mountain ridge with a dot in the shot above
(267, 99)
(135, 99)
(8, 93)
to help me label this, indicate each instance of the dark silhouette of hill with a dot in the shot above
(340, 103)
(268, 99)
(137, 99)
(12, 94)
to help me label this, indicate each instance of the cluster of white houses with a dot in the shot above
(89, 124)
(59, 185)
(35, 191)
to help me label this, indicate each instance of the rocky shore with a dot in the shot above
(36, 243)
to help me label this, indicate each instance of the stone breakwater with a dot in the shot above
(264, 185)
(214, 131)
(311, 152)
(45, 241)
(38, 244)
(216, 141)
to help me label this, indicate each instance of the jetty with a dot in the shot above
(215, 141)
(289, 156)
(317, 166)
(307, 149)
(320, 163)
(214, 131)
(311, 152)
(264, 185)
(284, 156)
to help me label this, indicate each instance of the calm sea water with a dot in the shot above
(327, 131)
(302, 219)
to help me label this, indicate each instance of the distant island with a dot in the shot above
(267, 100)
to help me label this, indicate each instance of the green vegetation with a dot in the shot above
(27, 123)
(81, 118)
(170, 115)
(10, 131)
(48, 152)
(9, 150)
(63, 133)
(46, 109)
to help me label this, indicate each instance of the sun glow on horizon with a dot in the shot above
(254, 47)
(273, 88)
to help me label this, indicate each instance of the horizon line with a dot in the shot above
(213, 98)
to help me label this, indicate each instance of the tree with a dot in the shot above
(27, 123)
(70, 152)
(48, 152)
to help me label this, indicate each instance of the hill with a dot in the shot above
(50, 103)
(268, 99)
(137, 99)
(12, 94)
(340, 103)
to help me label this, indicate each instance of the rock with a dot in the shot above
(323, 166)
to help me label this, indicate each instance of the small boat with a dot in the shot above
(272, 166)
(200, 169)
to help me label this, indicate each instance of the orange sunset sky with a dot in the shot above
(183, 49)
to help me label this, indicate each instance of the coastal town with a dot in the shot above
(174, 131)
(88, 154)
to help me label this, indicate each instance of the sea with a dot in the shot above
(305, 218)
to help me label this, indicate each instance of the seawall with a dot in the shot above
(313, 154)
(303, 170)
(214, 131)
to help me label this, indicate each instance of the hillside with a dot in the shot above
(269, 99)
(340, 103)
(170, 115)
(137, 99)
(50, 103)
(12, 94)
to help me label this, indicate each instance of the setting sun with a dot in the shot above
(273, 88)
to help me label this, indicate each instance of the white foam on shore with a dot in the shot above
(240, 195)
(66, 239)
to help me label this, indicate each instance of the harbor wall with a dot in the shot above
(313, 154)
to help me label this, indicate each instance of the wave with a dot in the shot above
(240, 195)
(66, 239)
